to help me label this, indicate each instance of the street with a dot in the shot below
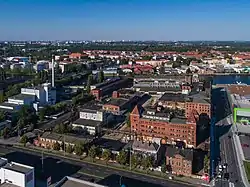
(224, 150)
(57, 168)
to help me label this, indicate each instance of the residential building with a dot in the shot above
(48, 139)
(179, 161)
(148, 148)
(75, 56)
(16, 174)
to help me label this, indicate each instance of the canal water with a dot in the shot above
(231, 79)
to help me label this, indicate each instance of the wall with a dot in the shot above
(98, 116)
(174, 132)
(15, 177)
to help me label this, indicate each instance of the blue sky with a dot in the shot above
(125, 19)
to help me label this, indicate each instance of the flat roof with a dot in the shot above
(178, 120)
(21, 96)
(114, 145)
(17, 168)
(199, 98)
(73, 182)
(117, 102)
(87, 122)
(245, 139)
(173, 97)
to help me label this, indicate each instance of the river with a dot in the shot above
(231, 79)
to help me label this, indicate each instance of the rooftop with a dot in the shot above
(73, 182)
(241, 101)
(245, 142)
(91, 106)
(239, 89)
(113, 145)
(68, 138)
(18, 167)
(199, 97)
(177, 97)
(173, 151)
(117, 101)
(21, 96)
(178, 120)
(145, 147)
(161, 89)
(87, 122)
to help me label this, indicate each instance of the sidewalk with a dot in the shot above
(112, 165)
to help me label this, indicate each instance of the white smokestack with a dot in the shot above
(53, 72)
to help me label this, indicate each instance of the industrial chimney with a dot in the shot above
(53, 72)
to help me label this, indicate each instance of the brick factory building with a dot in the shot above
(159, 121)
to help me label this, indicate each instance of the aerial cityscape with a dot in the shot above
(124, 94)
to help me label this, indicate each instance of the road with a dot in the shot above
(57, 168)
(223, 134)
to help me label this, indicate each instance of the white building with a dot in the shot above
(16, 174)
(91, 118)
(35, 97)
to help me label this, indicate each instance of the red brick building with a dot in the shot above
(179, 161)
(197, 108)
(148, 123)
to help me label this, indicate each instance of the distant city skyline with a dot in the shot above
(159, 20)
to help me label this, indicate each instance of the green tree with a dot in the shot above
(21, 123)
(206, 163)
(135, 161)
(106, 155)
(92, 152)
(89, 83)
(128, 120)
(42, 114)
(79, 148)
(56, 146)
(69, 149)
(100, 76)
(24, 139)
(2, 116)
(57, 128)
(5, 132)
(1, 97)
(147, 162)
(122, 157)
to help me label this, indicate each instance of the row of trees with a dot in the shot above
(91, 80)
(93, 152)
(52, 109)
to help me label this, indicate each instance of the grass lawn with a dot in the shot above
(247, 168)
